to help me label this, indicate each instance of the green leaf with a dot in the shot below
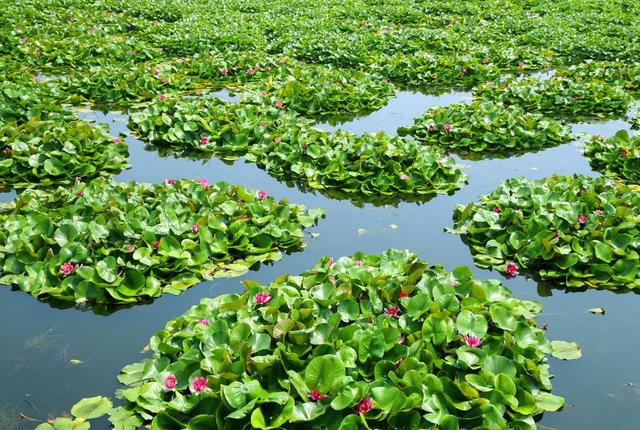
(565, 350)
(469, 323)
(91, 407)
(322, 372)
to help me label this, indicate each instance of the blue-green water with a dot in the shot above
(602, 389)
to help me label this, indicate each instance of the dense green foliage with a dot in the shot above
(104, 242)
(51, 152)
(317, 91)
(573, 231)
(371, 341)
(371, 167)
(621, 73)
(479, 128)
(329, 60)
(559, 96)
(44, 145)
(616, 157)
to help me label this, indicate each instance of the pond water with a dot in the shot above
(602, 389)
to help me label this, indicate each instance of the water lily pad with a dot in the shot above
(366, 357)
(92, 407)
(110, 243)
(577, 232)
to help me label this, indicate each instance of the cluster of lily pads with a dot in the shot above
(317, 91)
(621, 73)
(145, 44)
(372, 167)
(44, 145)
(369, 341)
(616, 157)
(560, 96)
(484, 127)
(574, 232)
(117, 243)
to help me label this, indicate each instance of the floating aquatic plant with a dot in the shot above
(560, 96)
(577, 231)
(486, 128)
(370, 167)
(55, 152)
(321, 350)
(617, 157)
(109, 243)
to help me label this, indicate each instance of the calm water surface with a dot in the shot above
(602, 389)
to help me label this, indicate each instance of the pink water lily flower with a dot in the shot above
(316, 395)
(264, 92)
(392, 311)
(262, 298)
(403, 294)
(472, 341)
(67, 268)
(169, 181)
(130, 248)
(278, 104)
(250, 71)
(162, 97)
(204, 182)
(359, 263)
(447, 127)
(262, 195)
(80, 193)
(204, 140)
(224, 71)
(511, 270)
(117, 141)
(203, 321)
(432, 127)
(582, 219)
(170, 381)
(331, 262)
(199, 384)
(400, 340)
(195, 228)
(404, 177)
(497, 209)
(463, 72)
(364, 406)
(598, 212)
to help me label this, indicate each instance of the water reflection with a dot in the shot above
(401, 110)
